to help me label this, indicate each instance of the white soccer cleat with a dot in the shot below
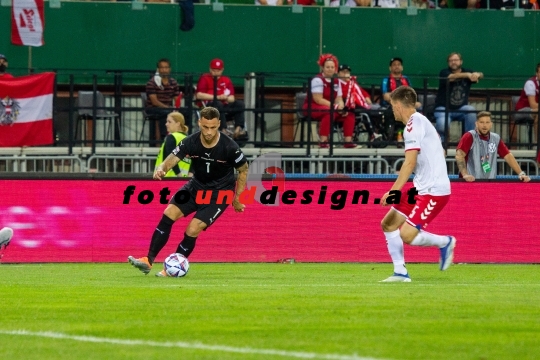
(398, 278)
(5, 236)
(447, 254)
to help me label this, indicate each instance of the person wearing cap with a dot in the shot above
(459, 81)
(161, 92)
(476, 153)
(355, 97)
(3, 67)
(389, 84)
(353, 94)
(326, 92)
(216, 90)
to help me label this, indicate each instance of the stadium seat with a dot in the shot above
(86, 113)
(428, 105)
(522, 119)
(152, 120)
(302, 122)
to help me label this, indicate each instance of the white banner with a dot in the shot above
(27, 22)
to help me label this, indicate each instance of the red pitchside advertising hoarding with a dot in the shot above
(87, 221)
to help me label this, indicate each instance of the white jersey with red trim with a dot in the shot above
(430, 174)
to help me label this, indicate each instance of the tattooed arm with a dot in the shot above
(462, 165)
(240, 187)
(165, 166)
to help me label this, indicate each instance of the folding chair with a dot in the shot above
(303, 121)
(522, 119)
(428, 105)
(85, 110)
(151, 119)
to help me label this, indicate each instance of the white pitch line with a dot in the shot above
(440, 285)
(186, 345)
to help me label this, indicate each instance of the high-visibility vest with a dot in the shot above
(183, 164)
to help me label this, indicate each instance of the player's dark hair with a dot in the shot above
(165, 60)
(405, 95)
(210, 113)
(482, 114)
(537, 67)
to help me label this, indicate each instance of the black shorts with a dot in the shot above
(184, 199)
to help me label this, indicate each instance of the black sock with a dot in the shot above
(160, 237)
(187, 245)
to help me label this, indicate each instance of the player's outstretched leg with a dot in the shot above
(5, 236)
(445, 243)
(447, 254)
(159, 239)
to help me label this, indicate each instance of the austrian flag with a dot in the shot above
(26, 105)
(27, 22)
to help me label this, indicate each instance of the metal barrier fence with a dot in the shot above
(121, 164)
(142, 161)
(295, 165)
(56, 164)
(527, 165)
(340, 165)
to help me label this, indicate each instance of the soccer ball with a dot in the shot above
(176, 265)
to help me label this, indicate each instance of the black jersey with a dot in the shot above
(213, 168)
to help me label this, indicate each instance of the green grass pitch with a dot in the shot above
(269, 311)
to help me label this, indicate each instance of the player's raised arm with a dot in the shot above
(240, 187)
(165, 166)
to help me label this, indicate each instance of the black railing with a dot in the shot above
(120, 85)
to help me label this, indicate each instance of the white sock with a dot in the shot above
(395, 248)
(428, 239)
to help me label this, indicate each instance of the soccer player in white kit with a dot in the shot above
(424, 155)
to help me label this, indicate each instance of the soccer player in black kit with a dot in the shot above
(214, 156)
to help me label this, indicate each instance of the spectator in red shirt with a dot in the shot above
(216, 90)
(326, 92)
(3, 67)
(476, 153)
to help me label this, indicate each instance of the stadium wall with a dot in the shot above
(87, 221)
(107, 36)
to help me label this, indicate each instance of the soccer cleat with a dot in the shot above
(5, 236)
(398, 278)
(447, 254)
(162, 273)
(142, 264)
(350, 145)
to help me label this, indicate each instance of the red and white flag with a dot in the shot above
(27, 22)
(26, 108)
